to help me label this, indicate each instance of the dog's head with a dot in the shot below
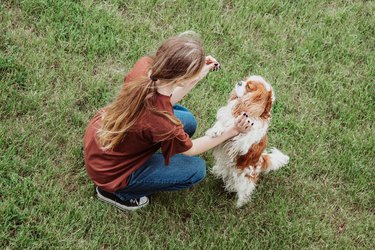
(253, 96)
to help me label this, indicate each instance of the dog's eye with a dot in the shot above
(239, 84)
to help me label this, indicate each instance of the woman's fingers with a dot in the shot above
(243, 123)
(210, 59)
(213, 63)
(241, 117)
(248, 125)
(238, 120)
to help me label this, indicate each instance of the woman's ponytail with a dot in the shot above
(120, 115)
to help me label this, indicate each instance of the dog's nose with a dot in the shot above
(239, 84)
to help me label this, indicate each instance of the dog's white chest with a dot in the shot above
(241, 144)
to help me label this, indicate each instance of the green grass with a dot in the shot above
(62, 60)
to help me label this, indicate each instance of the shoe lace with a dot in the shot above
(136, 201)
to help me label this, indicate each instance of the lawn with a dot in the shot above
(62, 60)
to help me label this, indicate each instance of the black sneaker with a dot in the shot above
(129, 205)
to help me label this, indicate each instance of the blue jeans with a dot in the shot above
(154, 176)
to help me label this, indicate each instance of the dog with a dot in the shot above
(240, 160)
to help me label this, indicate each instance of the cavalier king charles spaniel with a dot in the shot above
(240, 160)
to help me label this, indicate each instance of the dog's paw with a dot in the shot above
(244, 188)
(240, 203)
(214, 132)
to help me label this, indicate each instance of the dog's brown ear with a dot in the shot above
(242, 105)
(251, 86)
(267, 110)
(232, 96)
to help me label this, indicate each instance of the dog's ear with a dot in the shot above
(232, 96)
(267, 110)
(252, 104)
(251, 86)
(242, 105)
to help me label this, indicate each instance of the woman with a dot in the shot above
(122, 140)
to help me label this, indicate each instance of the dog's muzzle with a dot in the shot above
(240, 88)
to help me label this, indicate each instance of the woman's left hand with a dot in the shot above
(210, 60)
(187, 84)
(211, 64)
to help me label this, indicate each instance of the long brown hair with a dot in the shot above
(177, 58)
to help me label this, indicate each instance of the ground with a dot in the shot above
(62, 60)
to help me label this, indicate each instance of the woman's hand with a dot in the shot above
(204, 143)
(211, 65)
(243, 124)
(187, 84)
(210, 60)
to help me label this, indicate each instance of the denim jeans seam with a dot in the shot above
(155, 182)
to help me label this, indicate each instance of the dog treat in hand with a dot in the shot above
(216, 67)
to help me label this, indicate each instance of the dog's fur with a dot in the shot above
(241, 159)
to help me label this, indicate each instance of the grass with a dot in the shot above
(61, 60)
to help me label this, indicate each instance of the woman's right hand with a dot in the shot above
(200, 145)
(243, 124)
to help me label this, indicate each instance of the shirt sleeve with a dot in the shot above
(177, 143)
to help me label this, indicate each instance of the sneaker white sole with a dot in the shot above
(119, 206)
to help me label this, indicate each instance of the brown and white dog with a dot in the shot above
(240, 160)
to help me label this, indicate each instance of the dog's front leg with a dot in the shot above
(217, 130)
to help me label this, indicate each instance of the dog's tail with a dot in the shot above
(274, 160)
